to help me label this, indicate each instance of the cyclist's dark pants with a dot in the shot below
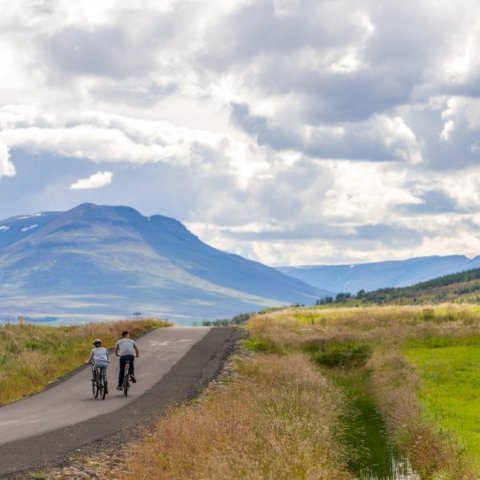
(123, 360)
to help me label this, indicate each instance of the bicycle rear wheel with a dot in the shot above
(126, 379)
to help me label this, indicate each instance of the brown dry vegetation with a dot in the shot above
(276, 420)
(31, 356)
(292, 329)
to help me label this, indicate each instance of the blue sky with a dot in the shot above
(288, 131)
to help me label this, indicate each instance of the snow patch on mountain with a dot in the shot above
(26, 229)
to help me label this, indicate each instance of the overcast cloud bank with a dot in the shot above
(289, 131)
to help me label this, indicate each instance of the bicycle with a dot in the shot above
(126, 378)
(99, 382)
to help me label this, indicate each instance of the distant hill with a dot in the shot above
(457, 287)
(372, 276)
(96, 262)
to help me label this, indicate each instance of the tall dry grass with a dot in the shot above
(31, 356)
(276, 420)
(291, 329)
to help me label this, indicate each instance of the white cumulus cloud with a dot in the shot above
(97, 180)
(303, 131)
(6, 166)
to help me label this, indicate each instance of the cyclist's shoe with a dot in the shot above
(119, 387)
(106, 389)
(133, 379)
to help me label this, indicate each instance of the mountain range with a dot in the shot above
(102, 262)
(372, 276)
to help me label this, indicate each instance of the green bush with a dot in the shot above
(260, 345)
(428, 314)
(342, 354)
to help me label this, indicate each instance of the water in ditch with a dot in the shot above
(372, 457)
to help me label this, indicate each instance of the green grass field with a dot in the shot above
(450, 390)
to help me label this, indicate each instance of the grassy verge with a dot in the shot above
(277, 419)
(450, 389)
(31, 356)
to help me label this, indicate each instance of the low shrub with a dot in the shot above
(260, 345)
(345, 355)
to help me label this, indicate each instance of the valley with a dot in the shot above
(376, 384)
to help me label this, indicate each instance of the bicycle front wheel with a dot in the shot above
(94, 386)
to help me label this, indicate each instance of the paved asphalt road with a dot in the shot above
(174, 364)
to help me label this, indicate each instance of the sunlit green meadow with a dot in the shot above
(450, 388)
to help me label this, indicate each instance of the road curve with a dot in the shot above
(174, 364)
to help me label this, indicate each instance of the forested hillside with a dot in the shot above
(457, 287)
